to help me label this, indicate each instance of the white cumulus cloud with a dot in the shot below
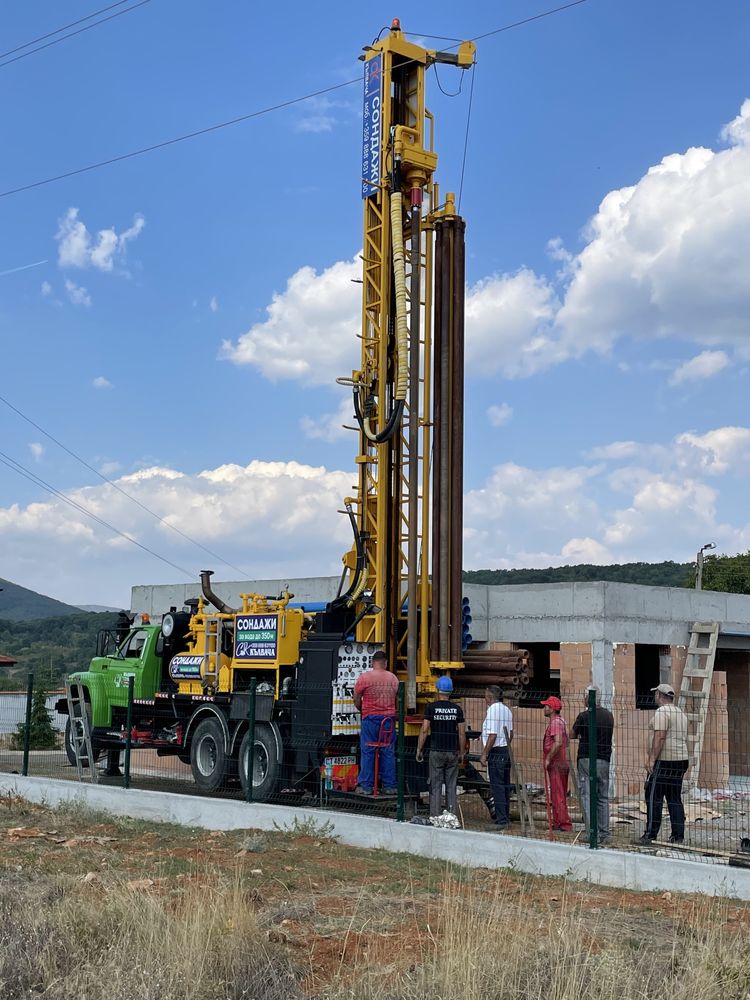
(703, 365)
(100, 382)
(275, 518)
(499, 415)
(330, 427)
(76, 247)
(280, 518)
(37, 450)
(665, 256)
(508, 325)
(213, 305)
(77, 294)
(717, 451)
(310, 330)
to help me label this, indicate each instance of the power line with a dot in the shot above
(38, 481)
(182, 138)
(119, 489)
(254, 114)
(63, 27)
(70, 34)
(466, 137)
(528, 20)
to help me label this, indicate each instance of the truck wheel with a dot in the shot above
(265, 765)
(70, 752)
(207, 758)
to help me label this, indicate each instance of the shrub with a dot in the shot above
(42, 734)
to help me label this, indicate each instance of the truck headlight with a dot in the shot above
(167, 625)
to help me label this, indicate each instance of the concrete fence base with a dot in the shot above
(621, 869)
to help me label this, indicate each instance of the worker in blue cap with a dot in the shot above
(444, 724)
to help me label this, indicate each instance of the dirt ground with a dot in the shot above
(332, 906)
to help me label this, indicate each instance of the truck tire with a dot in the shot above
(266, 767)
(207, 758)
(69, 745)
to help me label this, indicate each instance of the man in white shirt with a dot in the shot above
(495, 755)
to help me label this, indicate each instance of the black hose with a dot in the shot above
(392, 423)
(344, 599)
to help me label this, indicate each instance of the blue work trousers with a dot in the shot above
(370, 733)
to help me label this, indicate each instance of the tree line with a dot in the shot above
(661, 574)
(50, 647)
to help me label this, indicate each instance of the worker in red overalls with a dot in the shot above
(555, 752)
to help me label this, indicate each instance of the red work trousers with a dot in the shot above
(558, 794)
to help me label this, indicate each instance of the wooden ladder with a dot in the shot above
(80, 732)
(695, 691)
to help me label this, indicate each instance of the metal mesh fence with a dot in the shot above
(317, 753)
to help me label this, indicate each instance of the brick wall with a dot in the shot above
(575, 668)
(714, 772)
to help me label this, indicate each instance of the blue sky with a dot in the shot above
(607, 332)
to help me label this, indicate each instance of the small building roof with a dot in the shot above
(7, 661)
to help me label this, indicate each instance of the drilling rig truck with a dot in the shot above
(401, 587)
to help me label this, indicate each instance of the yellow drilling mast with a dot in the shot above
(408, 391)
(264, 690)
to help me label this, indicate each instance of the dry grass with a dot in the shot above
(482, 944)
(96, 907)
(135, 943)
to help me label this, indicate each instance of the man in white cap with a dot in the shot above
(666, 766)
(444, 724)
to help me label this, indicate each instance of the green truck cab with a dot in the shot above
(139, 654)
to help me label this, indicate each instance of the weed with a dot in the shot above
(255, 843)
(307, 827)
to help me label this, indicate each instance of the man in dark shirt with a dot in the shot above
(605, 725)
(444, 724)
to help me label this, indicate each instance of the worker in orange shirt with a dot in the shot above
(555, 752)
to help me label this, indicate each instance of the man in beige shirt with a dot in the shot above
(666, 766)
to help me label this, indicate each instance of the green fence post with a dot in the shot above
(27, 727)
(400, 761)
(251, 740)
(593, 777)
(128, 733)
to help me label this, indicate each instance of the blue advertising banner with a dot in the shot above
(371, 130)
(185, 667)
(255, 637)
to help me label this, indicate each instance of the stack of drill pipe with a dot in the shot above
(506, 667)
(448, 437)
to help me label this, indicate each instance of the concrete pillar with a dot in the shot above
(602, 655)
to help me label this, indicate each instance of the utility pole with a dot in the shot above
(699, 564)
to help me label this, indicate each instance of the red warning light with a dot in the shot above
(396, 24)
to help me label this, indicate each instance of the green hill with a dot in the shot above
(51, 647)
(19, 604)
(663, 574)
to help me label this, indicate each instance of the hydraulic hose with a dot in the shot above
(359, 580)
(364, 422)
(399, 279)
